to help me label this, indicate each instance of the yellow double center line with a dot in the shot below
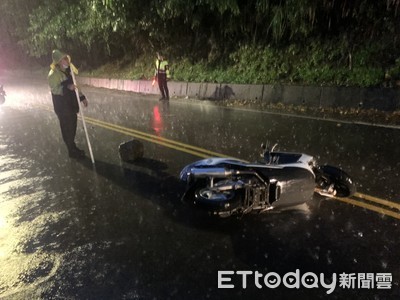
(375, 204)
(155, 139)
(378, 205)
(385, 207)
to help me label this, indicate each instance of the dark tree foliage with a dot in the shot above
(96, 31)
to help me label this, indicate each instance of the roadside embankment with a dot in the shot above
(384, 99)
(370, 105)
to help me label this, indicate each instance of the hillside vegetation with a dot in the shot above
(315, 42)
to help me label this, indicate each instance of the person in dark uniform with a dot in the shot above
(64, 99)
(162, 74)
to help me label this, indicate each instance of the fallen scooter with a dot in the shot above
(227, 186)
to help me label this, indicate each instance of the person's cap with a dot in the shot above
(57, 55)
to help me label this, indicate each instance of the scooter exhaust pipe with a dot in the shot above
(210, 172)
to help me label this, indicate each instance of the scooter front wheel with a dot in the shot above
(332, 181)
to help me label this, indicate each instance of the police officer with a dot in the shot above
(162, 74)
(65, 104)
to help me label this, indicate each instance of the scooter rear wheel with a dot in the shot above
(208, 194)
(218, 202)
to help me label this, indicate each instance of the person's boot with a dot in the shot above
(162, 96)
(76, 153)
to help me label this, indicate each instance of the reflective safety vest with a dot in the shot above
(162, 67)
(55, 77)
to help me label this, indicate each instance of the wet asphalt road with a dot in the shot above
(71, 230)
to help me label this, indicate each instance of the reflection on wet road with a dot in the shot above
(114, 230)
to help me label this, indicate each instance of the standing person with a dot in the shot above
(2, 95)
(162, 74)
(65, 104)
